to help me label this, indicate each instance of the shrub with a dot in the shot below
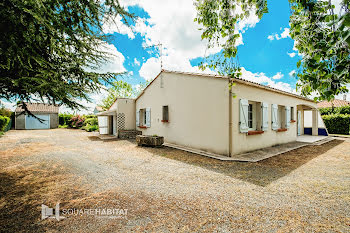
(65, 118)
(5, 112)
(327, 111)
(90, 116)
(91, 121)
(337, 110)
(337, 123)
(344, 110)
(91, 128)
(77, 121)
(4, 122)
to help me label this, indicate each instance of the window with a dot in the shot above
(250, 116)
(143, 118)
(292, 113)
(165, 114)
(281, 116)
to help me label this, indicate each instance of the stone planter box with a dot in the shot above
(128, 134)
(148, 140)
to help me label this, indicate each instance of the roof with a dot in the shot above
(335, 103)
(239, 80)
(99, 108)
(39, 107)
(106, 113)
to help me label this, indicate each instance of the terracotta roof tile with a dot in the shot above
(336, 103)
(39, 107)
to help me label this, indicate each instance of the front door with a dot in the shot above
(299, 123)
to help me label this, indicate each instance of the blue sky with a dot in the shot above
(266, 53)
(265, 50)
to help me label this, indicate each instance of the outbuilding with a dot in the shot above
(47, 113)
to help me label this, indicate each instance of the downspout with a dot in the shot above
(230, 118)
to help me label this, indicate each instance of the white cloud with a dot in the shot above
(261, 78)
(171, 61)
(178, 33)
(285, 33)
(136, 62)
(291, 54)
(96, 98)
(292, 73)
(277, 36)
(7, 104)
(279, 75)
(117, 25)
(271, 37)
(115, 61)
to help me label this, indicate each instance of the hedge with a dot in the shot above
(4, 123)
(337, 123)
(337, 110)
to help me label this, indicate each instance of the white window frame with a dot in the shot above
(253, 115)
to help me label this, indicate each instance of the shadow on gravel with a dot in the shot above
(18, 205)
(261, 173)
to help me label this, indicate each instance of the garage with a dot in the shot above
(45, 116)
(42, 122)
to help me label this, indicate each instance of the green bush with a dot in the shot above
(5, 112)
(4, 122)
(91, 128)
(337, 123)
(65, 119)
(91, 121)
(344, 110)
(337, 110)
(90, 116)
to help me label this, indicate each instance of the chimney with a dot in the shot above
(344, 97)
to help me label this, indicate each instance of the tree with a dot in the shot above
(122, 89)
(322, 37)
(119, 89)
(50, 49)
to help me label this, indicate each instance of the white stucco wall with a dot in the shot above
(198, 111)
(127, 106)
(243, 142)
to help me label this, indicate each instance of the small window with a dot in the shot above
(144, 117)
(165, 114)
(250, 116)
(292, 113)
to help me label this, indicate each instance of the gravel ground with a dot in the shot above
(165, 189)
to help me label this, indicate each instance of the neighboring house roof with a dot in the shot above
(239, 80)
(39, 107)
(335, 103)
(99, 108)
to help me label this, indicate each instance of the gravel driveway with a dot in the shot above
(166, 189)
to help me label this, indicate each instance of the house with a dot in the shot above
(97, 109)
(334, 103)
(47, 113)
(119, 119)
(198, 111)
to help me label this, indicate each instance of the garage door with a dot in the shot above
(33, 123)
